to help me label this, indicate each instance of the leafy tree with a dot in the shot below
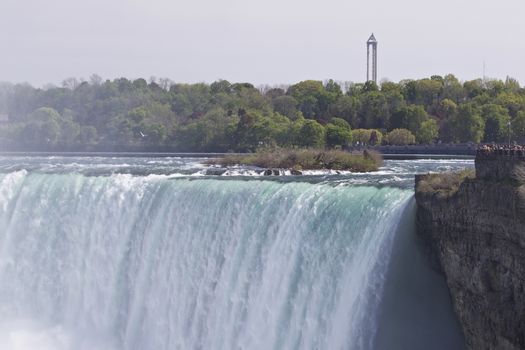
(409, 117)
(513, 102)
(87, 136)
(69, 131)
(274, 93)
(221, 86)
(338, 133)
(473, 88)
(361, 136)
(43, 127)
(518, 127)
(341, 123)
(400, 137)
(496, 123)
(287, 106)
(333, 88)
(427, 132)
(312, 134)
(367, 136)
(348, 108)
(376, 137)
(375, 111)
(446, 109)
(452, 89)
(467, 125)
(370, 86)
(428, 91)
(388, 86)
(312, 97)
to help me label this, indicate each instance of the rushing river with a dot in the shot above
(156, 253)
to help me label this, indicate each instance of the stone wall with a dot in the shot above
(500, 167)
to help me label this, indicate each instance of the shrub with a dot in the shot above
(444, 184)
(399, 137)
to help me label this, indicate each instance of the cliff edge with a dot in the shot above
(474, 228)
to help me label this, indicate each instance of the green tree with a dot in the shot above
(409, 117)
(221, 86)
(347, 107)
(496, 123)
(313, 98)
(370, 86)
(333, 88)
(88, 136)
(338, 133)
(427, 132)
(367, 136)
(361, 136)
(312, 134)
(400, 137)
(467, 125)
(473, 88)
(376, 137)
(43, 127)
(518, 127)
(513, 102)
(287, 106)
(452, 89)
(375, 112)
(69, 131)
(446, 109)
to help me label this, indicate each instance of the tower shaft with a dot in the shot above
(367, 62)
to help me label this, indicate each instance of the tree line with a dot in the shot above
(222, 117)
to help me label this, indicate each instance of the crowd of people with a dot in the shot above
(507, 150)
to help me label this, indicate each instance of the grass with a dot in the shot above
(445, 184)
(307, 159)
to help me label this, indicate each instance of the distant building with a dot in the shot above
(371, 43)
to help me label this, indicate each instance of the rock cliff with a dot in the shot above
(474, 228)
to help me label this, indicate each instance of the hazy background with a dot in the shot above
(270, 41)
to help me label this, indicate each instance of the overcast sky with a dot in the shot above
(259, 41)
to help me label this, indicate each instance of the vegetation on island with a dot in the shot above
(224, 117)
(306, 159)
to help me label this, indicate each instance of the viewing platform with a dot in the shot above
(500, 162)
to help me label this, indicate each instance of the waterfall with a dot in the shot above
(149, 262)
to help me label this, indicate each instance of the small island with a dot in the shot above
(298, 160)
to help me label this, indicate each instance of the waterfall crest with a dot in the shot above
(147, 262)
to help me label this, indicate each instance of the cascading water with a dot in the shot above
(149, 262)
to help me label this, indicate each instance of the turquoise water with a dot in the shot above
(94, 258)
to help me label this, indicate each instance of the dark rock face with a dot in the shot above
(477, 236)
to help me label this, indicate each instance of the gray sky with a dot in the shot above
(258, 41)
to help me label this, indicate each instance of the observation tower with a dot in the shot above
(371, 43)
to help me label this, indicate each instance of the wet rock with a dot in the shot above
(215, 171)
(272, 172)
